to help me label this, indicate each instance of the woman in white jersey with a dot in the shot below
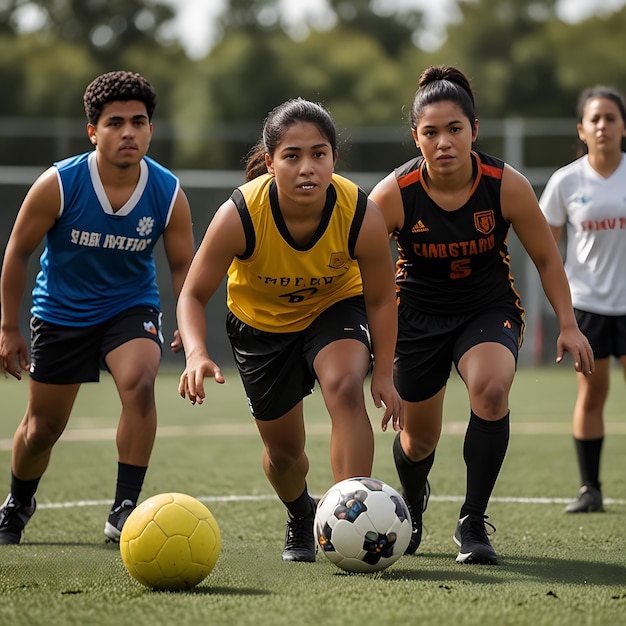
(309, 271)
(588, 196)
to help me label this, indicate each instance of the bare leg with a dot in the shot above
(593, 390)
(134, 366)
(284, 460)
(47, 414)
(588, 432)
(341, 368)
(286, 467)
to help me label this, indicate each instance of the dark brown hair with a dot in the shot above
(598, 91)
(279, 120)
(119, 86)
(441, 83)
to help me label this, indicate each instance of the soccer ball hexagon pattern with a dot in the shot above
(362, 525)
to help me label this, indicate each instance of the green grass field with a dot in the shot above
(555, 569)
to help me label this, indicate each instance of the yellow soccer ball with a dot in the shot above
(171, 541)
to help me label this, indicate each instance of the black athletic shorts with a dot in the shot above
(63, 355)
(428, 345)
(277, 368)
(605, 333)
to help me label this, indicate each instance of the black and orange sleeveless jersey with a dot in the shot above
(454, 262)
(280, 286)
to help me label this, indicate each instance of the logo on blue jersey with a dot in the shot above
(145, 226)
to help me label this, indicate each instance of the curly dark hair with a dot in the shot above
(114, 87)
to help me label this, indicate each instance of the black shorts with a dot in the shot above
(277, 368)
(428, 345)
(605, 333)
(63, 355)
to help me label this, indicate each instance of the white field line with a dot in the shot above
(249, 429)
(259, 497)
(227, 430)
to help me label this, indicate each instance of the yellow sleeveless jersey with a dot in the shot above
(280, 286)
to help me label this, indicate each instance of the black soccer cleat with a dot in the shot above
(117, 518)
(416, 509)
(589, 500)
(471, 536)
(299, 539)
(13, 518)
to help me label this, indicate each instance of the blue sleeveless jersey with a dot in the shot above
(97, 263)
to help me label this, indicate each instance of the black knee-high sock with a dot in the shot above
(23, 490)
(301, 506)
(129, 483)
(483, 451)
(588, 453)
(412, 474)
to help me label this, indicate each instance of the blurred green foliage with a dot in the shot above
(522, 59)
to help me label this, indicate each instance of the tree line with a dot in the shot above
(523, 60)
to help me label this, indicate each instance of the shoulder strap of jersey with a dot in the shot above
(357, 221)
(246, 221)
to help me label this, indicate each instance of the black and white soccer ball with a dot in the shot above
(362, 525)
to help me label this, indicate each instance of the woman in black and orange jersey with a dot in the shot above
(449, 211)
(310, 276)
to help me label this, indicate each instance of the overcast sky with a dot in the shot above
(195, 17)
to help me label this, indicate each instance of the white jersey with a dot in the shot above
(594, 210)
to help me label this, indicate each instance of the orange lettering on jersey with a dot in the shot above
(470, 248)
(460, 269)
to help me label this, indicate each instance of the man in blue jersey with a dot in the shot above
(95, 304)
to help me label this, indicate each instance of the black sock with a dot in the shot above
(588, 454)
(412, 474)
(484, 449)
(129, 483)
(23, 490)
(301, 506)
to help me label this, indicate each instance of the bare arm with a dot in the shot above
(376, 264)
(556, 232)
(386, 195)
(35, 218)
(178, 244)
(178, 241)
(520, 207)
(223, 240)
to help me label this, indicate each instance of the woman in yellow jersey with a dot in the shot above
(310, 278)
